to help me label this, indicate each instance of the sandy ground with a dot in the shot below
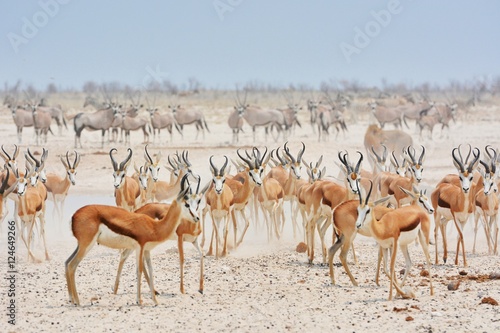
(260, 286)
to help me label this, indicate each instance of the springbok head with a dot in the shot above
(351, 173)
(38, 166)
(465, 169)
(189, 200)
(365, 207)
(416, 167)
(314, 172)
(10, 161)
(142, 174)
(219, 176)
(153, 166)
(120, 171)
(296, 163)
(489, 171)
(400, 168)
(22, 181)
(420, 197)
(71, 167)
(255, 168)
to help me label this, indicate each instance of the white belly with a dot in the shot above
(111, 239)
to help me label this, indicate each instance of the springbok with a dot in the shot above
(5, 190)
(486, 202)
(398, 228)
(99, 120)
(219, 198)
(117, 228)
(452, 202)
(126, 188)
(58, 186)
(187, 117)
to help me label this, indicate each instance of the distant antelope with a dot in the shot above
(394, 140)
(187, 117)
(386, 115)
(98, 120)
(22, 118)
(235, 122)
(256, 117)
(41, 122)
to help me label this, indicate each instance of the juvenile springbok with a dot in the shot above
(117, 228)
(58, 186)
(126, 188)
(452, 202)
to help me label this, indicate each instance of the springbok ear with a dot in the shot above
(381, 200)
(323, 172)
(407, 192)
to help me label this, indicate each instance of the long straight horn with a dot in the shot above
(301, 152)
(421, 158)
(214, 169)
(223, 169)
(113, 162)
(356, 168)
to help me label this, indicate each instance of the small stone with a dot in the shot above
(453, 285)
(409, 318)
(489, 300)
(424, 272)
(301, 247)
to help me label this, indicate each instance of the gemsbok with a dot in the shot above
(187, 117)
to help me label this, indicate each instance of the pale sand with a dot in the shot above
(260, 286)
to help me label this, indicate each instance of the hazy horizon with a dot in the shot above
(223, 43)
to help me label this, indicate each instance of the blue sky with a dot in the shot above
(227, 42)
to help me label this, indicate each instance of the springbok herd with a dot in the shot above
(325, 115)
(384, 201)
